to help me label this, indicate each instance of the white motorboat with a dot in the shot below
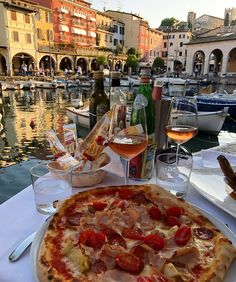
(172, 80)
(209, 122)
(78, 116)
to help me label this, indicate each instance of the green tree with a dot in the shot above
(102, 60)
(169, 22)
(158, 64)
(132, 61)
(131, 51)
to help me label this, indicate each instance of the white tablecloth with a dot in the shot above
(19, 218)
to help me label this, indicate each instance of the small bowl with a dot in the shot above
(90, 177)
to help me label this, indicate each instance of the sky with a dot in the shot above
(154, 11)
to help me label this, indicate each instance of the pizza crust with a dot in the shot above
(224, 250)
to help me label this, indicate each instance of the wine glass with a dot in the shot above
(183, 122)
(128, 133)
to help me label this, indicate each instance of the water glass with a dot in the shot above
(173, 173)
(49, 186)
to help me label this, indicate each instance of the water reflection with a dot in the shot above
(24, 118)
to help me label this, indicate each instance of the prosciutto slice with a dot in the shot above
(115, 275)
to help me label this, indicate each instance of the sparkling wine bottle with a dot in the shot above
(141, 167)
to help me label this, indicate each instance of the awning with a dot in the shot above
(92, 19)
(63, 28)
(92, 34)
(78, 15)
(79, 31)
(63, 10)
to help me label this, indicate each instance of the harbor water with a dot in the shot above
(26, 115)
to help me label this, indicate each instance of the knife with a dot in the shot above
(19, 250)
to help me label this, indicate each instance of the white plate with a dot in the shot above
(210, 183)
(230, 277)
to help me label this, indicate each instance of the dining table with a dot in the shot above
(19, 218)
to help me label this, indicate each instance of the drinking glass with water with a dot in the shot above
(50, 186)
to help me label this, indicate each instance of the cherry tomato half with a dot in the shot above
(129, 262)
(135, 234)
(174, 211)
(183, 235)
(92, 239)
(155, 213)
(154, 241)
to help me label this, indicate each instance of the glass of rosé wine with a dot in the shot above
(183, 121)
(128, 133)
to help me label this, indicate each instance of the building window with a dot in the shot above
(151, 41)
(110, 39)
(173, 36)
(48, 17)
(171, 44)
(183, 35)
(165, 45)
(180, 36)
(13, 16)
(122, 30)
(150, 53)
(15, 36)
(115, 42)
(49, 35)
(180, 54)
(116, 28)
(39, 33)
(164, 54)
(187, 36)
(181, 44)
(28, 38)
(27, 19)
(105, 37)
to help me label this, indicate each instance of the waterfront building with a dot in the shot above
(136, 30)
(230, 17)
(206, 22)
(44, 37)
(118, 35)
(105, 30)
(213, 53)
(155, 43)
(18, 48)
(175, 49)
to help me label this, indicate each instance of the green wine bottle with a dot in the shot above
(98, 102)
(141, 167)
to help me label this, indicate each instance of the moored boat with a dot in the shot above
(211, 104)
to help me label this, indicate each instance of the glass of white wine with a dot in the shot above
(128, 133)
(183, 121)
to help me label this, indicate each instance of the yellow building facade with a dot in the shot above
(17, 36)
(104, 30)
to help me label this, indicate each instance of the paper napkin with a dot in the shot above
(209, 158)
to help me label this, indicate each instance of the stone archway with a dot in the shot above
(94, 65)
(82, 62)
(198, 62)
(3, 65)
(215, 61)
(65, 63)
(118, 66)
(47, 65)
(231, 62)
(23, 64)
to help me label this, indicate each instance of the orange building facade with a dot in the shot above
(74, 22)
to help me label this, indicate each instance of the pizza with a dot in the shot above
(136, 233)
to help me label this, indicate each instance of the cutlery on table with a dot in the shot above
(21, 248)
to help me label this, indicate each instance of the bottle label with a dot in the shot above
(141, 167)
(101, 110)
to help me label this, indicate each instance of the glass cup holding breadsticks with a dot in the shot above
(128, 132)
(183, 121)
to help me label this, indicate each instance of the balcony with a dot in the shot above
(106, 28)
(78, 15)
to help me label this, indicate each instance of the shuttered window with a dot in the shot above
(13, 15)
(15, 36)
